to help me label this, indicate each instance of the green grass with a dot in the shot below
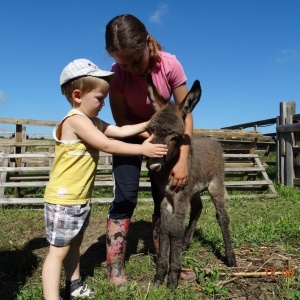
(265, 234)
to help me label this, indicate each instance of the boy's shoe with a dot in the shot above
(187, 275)
(79, 289)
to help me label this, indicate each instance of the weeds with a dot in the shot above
(265, 234)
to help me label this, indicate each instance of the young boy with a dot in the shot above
(79, 136)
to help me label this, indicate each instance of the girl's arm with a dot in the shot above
(179, 174)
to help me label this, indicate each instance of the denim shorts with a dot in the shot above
(64, 222)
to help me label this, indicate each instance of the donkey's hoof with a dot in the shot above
(231, 261)
(172, 285)
(157, 283)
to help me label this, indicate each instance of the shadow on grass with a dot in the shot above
(95, 255)
(140, 233)
(16, 266)
(211, 245)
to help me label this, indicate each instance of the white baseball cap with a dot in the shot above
(79, 68)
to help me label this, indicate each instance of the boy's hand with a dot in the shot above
(153, 150)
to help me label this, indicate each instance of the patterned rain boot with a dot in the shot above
(116, 240)
(186, 275)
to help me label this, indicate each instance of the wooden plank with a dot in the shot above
(227, 134)
(252, 124)
(28, 155)
(39, 155)
(288, 128)
(3, 175)
(28, 122)
(104, 183)
(247, 183)
(24, 184)
(28, 178)
(238, 164)
(240, 155)
(24, 169)
(231, 168)
(24, 201)
(266, 177)
(27, 143)
(241, 169)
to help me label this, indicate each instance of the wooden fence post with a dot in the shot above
(18, 150)
(278, 155)
(287, 110)
(282, 118)
(289, 161)
(297, 155)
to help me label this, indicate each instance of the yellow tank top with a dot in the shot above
(73, 172)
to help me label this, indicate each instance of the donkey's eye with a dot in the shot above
(176, 138)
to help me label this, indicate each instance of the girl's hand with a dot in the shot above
(179, 176)
(153, 150)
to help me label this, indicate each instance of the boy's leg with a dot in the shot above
(75, 286)
(65, 226)
(71, 262)
(52, 271)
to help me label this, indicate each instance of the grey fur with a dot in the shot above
(206, 171)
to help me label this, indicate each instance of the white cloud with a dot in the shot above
(156, 17)
(285, 55)
(2, 96)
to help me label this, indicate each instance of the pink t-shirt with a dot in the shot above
(168, 75)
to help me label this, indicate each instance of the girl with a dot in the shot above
(137, 53)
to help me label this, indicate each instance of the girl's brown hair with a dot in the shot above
(127, 32)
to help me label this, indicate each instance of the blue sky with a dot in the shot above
(246, 54)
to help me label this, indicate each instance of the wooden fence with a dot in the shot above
(287, 137)
(25, 163)
(288, 146)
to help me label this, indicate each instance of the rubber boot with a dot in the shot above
(186, 275)
(116, 240)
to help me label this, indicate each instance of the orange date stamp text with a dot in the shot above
(284, 273)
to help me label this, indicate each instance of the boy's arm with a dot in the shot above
(124, 131)
(120, 112)
(84, 129)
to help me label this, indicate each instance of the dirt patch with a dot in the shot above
(259, 271)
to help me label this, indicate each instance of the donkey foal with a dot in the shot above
(206, 171)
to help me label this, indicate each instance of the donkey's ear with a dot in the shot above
(157, 100)
(191, 99)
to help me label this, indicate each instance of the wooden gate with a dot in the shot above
(288, 146)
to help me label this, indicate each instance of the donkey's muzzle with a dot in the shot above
(154, 167)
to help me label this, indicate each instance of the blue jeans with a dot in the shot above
(126, 172)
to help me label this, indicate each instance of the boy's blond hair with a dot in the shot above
(85, 84)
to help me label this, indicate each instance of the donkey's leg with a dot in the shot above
(217, 191)
(195, 212)
(176, 239)
(162, 263)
